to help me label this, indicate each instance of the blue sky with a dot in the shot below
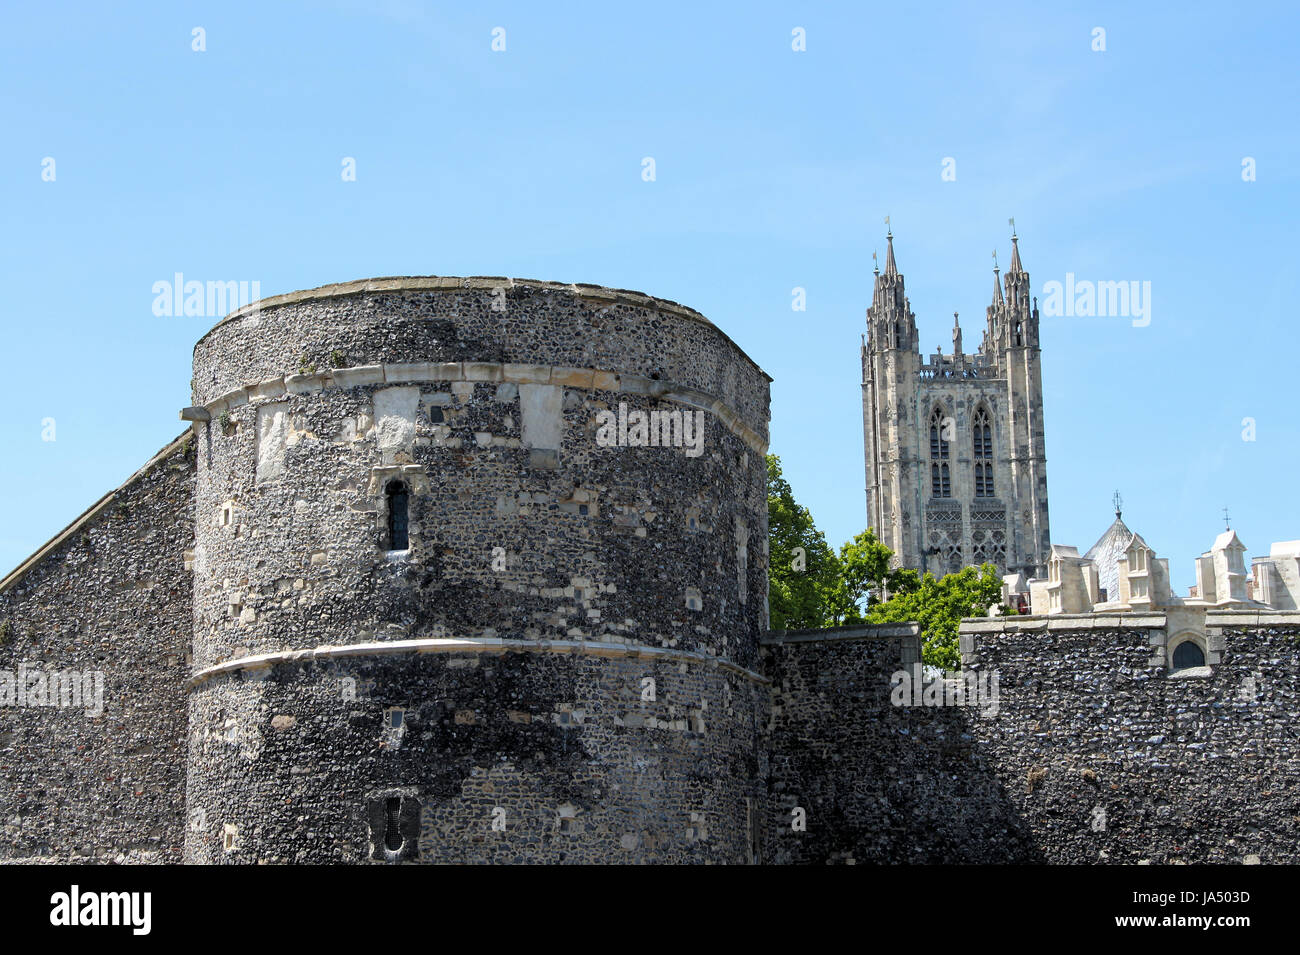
(775, 169)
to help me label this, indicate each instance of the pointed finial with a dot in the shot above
(891, 267)
(995, 262)
(1012, 222)
(887, 230)
(875, 263)
(1015, 250)
(1119, 504)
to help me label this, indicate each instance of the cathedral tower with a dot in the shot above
(956, 471)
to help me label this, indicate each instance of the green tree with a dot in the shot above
(938, 605)
(802, 568)
(810, 586)
(863, 568)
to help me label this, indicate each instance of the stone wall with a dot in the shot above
(1128, 761)
(877, 783)
(540, 756)
(107, 602)
(569, 569)
(1095, 751)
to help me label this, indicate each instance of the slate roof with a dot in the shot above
(1107, 552)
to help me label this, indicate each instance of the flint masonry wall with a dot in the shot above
(1110, 757)
(876, 783)
(1096, 752)
(109, 595)
(485, 694)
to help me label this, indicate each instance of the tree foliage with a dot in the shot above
(801, 565)
(811, 586)
(863, 568)
(938, 605)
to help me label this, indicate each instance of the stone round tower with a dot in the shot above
(480, 571)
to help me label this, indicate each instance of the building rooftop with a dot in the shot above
(1106, 554)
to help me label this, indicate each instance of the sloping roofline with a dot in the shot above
(89, 514)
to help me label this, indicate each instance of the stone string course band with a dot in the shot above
(495, 645)
(273, 389)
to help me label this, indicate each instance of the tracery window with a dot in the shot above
(982, 444)
(940, 480)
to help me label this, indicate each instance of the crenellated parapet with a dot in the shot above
(1122, 574)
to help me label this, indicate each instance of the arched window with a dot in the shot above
(1188, 654)
(398, 501)
(982, 444)
(940, 482)
(938, 443)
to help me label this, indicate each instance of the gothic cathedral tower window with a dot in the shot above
(982, 441)
(940, 482)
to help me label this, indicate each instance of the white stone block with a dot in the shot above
(542, 407)
(395, 412)
(272, 436)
